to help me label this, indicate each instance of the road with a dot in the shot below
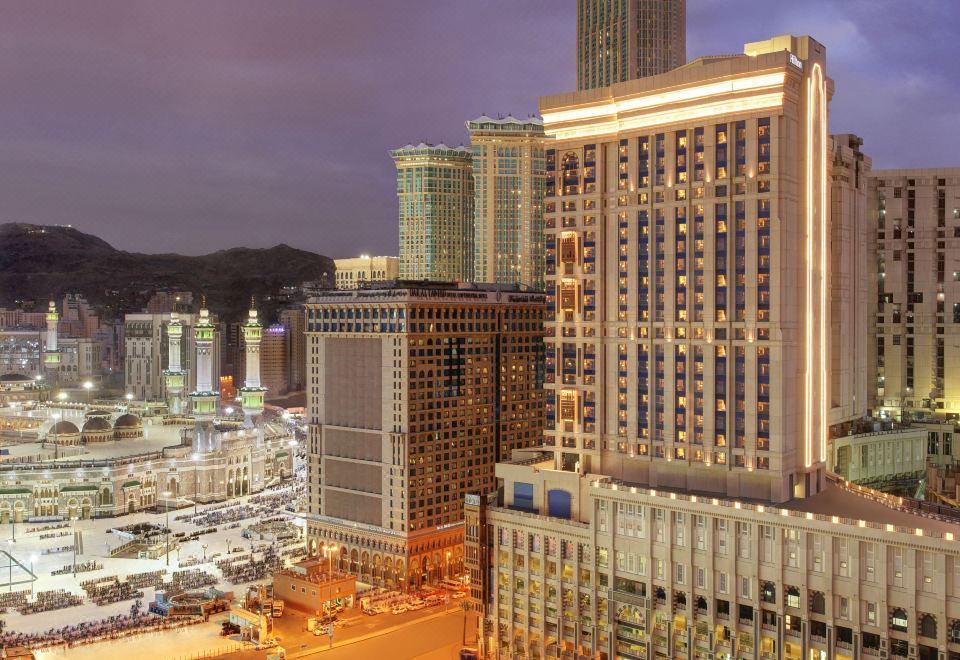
(434, 638)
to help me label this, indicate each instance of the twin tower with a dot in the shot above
(205, 398)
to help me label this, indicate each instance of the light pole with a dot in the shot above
(204, 546)
(87, 385)
(166, 496)
(448, 564)
(129, 397)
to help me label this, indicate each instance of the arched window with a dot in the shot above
(898, 619)
(954, 636)
(818, 603)
(701, 604)
(928, 626)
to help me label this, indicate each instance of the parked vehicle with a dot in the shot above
(370, 612)
(399, 609)
(458, 594)
(415, 605)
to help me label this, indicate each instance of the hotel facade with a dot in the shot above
(916, 216)
(680, 506)
(435, 195)
(509, 180)
(414, 393)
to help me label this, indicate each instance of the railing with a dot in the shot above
(889, 501)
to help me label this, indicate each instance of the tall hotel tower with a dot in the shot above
(509, 179)
(681, 507)
(620, 40)
(687, 248)
(435, 194)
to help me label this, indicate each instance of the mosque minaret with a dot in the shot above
(252, 393)
(206, 397)
(174, 374)
(51, 353)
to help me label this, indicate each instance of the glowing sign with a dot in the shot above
(795, 61)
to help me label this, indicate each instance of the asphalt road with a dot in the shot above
(436, 638)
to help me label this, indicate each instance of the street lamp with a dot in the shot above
(448, 564)
(87, 385)
(33, 578)
(63, 396)
(166, 495)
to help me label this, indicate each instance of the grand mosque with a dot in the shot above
(64, 459)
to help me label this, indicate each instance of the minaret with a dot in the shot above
(252, 394)
(174, 374)
(206, 397)
(51, 354)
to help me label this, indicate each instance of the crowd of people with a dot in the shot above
(147, 579)
(47, 601)
(82, 567)
(104, 591)
(114, 627)
(190, 580)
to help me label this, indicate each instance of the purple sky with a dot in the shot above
(193, 126)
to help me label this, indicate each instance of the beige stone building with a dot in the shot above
(916, 215)
(594, 567)
(853, 285)
(356, 271)
(435, 196)
(413, 394)
(688, 251)
(619, 40)
(509, 180)
(680, 507)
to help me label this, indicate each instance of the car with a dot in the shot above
(435, 599)
(370, 612)
(415, 605)
(399, 609)
(458, 594)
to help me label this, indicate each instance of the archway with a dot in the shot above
(72, 508)
(131, 504)
(85, 508)
(928, 626)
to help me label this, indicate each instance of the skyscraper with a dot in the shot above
(619, 40)
(435, 195)
(509, 179)
(416, 391)
(680, 507)
(679, 358)
(916, 212)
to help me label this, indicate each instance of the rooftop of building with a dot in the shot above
(431, 150)
(777, 52)
(396, 290)
(916, 172)
(509, 124)
(839, 502)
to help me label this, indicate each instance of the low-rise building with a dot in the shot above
(355, 272)
(314, 586)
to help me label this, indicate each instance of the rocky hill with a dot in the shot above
(37, 261)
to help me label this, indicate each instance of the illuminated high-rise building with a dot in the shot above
(916, 215)
(509, 179)
(620, 40)
(680, 507)
(676, 359)
(414, 393)
(435, 195)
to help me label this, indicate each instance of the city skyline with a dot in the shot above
(247, 128)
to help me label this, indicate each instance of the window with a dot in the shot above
(793, 597)
(746, 589)
(701, 577)
(680, 573)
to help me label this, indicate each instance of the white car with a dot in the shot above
(398, 609)
(416, 605)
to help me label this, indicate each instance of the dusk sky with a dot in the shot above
(189, 126)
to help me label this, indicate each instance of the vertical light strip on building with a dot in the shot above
(817, 75)
(816, 104)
